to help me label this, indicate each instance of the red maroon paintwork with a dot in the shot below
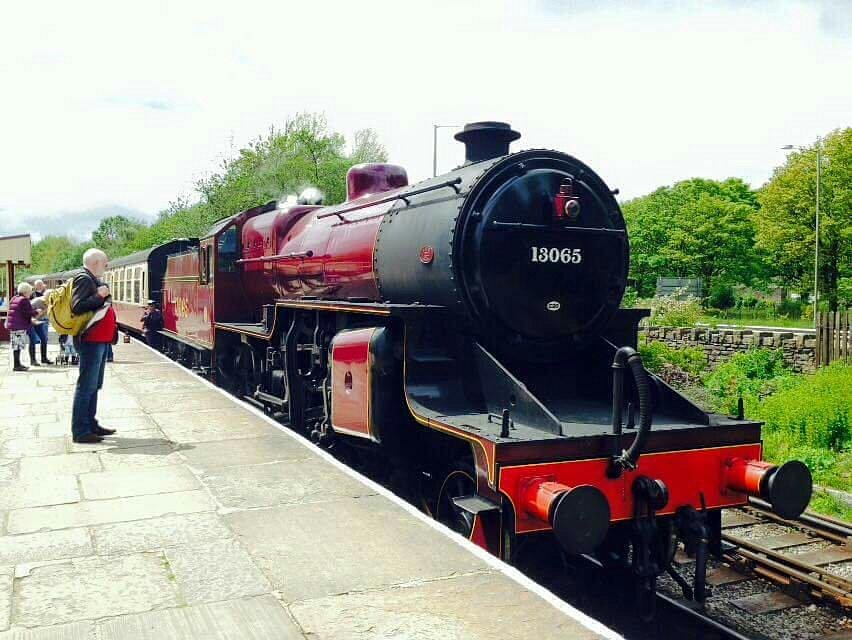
(292, 252)
(539, 495)
(369, 179)
(350, 382)
(187, 305)
(746, 475)
(687, 474)
(129, 315)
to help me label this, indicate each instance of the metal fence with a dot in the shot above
(833, 339)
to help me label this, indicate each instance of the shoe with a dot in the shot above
(34, 363)
(20, 367)
(101, 431)
(89, 438)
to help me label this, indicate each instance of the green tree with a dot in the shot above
(114, 233)
(696, 228)
(786, 221)
(46, 254)
(72, 257)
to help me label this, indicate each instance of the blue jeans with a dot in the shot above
(37, 333)
(89, 380)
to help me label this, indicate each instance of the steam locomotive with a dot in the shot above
(466, 332)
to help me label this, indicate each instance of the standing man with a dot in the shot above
(91, 294)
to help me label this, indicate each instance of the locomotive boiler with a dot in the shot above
(464, 334)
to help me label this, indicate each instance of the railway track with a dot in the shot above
(809, 559)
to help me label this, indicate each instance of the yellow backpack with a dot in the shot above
(59, 311)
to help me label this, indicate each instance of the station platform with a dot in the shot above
(203, 518)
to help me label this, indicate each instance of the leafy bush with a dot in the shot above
(815, 411)
(669, 311)
(721, 296)
(746, 302)
(656, 355)
(751, 374)
(630, 298)
(789, 309)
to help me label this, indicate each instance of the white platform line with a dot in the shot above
(491, 560)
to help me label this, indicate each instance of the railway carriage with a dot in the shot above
(137, 278)
(464, 333)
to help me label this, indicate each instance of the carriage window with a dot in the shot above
(228, 250)
(137, 285)
(144, 286)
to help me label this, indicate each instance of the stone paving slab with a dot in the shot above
(247, 451)
(88, 513)
(224, 423)
(63, 464)
(6, 577)
(314, 550)
(17, 494)
(24, 447)
(143, 457)
(290, 482)
(200, 519)
(123, 484)
(159, 533)
(250, 619)
(437, 610)
(92, 588)
(71, 631)
(48, 545)
(214, 571)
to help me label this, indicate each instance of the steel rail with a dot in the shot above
(837, 595)
(829, 528)
(725, 632)
(837, 588)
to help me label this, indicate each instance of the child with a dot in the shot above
(67, 353)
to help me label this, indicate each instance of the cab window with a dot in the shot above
(228, 250)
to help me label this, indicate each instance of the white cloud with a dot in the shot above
(118, 103)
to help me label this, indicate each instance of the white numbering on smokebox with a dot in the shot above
(554, 305)
(554, 254)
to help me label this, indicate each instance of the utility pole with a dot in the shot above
(435, 128)
(816, 229)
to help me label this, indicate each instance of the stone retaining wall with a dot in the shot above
(721, 344)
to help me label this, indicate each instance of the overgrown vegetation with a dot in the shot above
(752, 375)
(658, 357)
(675, 310)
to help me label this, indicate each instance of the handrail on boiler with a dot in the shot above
(404, 196)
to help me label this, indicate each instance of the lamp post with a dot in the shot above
(816, 226)
(435, 128)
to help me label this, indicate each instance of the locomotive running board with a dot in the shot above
(460, 383)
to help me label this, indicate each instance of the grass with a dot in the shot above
(823, 502)
(756, 321)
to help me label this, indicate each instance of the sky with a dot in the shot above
(119, 107)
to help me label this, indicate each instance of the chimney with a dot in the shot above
(486, 140)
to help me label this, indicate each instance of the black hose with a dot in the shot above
(643, 388)
(628, 357)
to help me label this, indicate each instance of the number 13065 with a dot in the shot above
(553, 254)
